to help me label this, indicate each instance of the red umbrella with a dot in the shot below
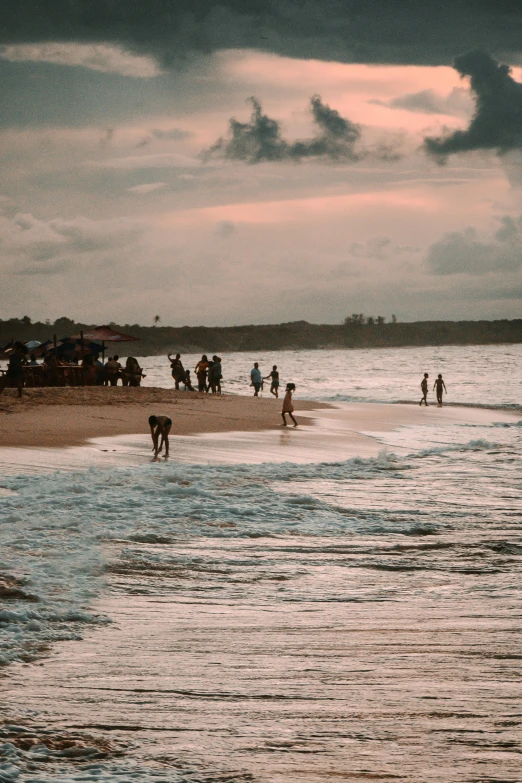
(107, 334)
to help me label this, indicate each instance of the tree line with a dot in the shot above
(360, 332)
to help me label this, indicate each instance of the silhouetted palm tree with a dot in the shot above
(157, 319)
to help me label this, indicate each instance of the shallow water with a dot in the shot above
(301, 620)
(474, 374)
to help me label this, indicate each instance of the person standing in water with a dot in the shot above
(256, 379)
(201, 373)
(274, 381)
(424, 389)
(214, 375)
(159, 430)
(440, 386)
(287, 404)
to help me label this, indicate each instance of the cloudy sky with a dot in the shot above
(258, 162)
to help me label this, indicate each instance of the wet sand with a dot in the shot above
(43, 437)
(58, 418)
(69, 417)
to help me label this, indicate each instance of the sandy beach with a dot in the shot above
(55, 417)
(58, 418)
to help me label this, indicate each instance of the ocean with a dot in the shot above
(266, 610)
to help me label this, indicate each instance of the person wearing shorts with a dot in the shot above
(256, 379)
(440, 386)
(274, 381)
(201, 373)
(159, 429)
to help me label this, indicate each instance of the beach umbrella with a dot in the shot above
(32, 344)
(69, 345)
(106, 334)
(46, 346)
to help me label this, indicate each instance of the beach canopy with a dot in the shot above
(66, 347)
(106, 334)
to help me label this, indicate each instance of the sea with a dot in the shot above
(255, 611)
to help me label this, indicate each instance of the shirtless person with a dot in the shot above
(159, 430)
(424, 389)
(440, 386)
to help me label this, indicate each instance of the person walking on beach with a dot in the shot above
(256, 379)
(201, 373)
(274, 381)
(424, 389)
(440, 386)
(159, 430)
(287, 404)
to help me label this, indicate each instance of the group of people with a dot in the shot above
(112, 372)
(256, 380)
(54, 370)
(208, 374)
(439, 386)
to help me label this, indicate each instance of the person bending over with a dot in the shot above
(424, 389)
(159, 430)
(440, 386)
(287, 404)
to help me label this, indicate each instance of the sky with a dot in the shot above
(260, 162)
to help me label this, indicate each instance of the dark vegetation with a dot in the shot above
(357, 331)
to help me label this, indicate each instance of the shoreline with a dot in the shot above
(44, 436)
(61, 418)
(74, 417)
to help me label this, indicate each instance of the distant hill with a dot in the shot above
(295, 335)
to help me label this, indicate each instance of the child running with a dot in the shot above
(287, 404)
(424, 389)
(440, 386)
(160, 428)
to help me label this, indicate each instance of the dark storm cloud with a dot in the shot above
(464, 252)
(260, 139)
(405, 31)
(497, 122)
